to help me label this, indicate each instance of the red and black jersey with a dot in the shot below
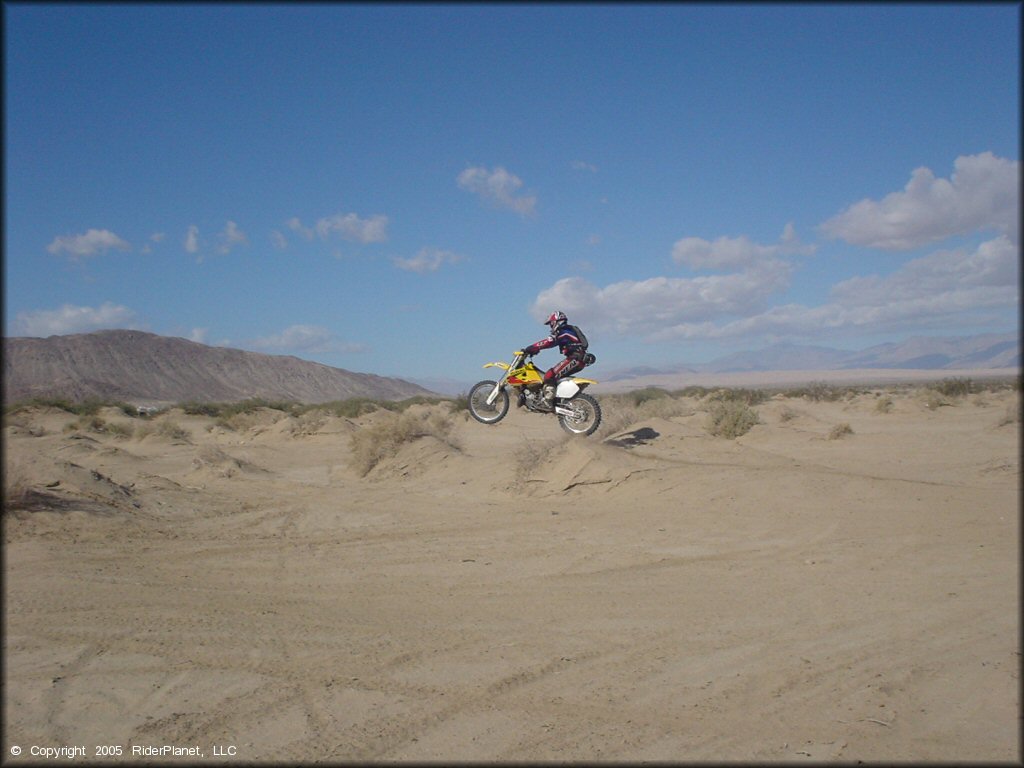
(570, 340)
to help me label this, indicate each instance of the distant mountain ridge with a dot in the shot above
(917, 353)
(135, 366)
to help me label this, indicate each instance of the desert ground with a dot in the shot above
(840, 583)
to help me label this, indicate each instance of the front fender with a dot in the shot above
(504, 366)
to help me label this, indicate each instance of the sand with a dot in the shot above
(524, 596)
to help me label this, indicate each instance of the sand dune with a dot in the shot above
(509, 593)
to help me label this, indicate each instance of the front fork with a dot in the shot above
(501, 382)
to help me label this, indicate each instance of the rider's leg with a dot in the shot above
(565, 367)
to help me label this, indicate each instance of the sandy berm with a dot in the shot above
(840, 583)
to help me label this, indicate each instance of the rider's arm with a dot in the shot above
(537, 346)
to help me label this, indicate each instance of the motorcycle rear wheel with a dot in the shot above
(478, 407)
(586, 416)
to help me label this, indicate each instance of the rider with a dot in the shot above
(571, 343)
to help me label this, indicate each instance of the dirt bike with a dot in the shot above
(578, 413)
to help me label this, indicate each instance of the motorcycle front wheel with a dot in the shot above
(586, 416)
(478, 407)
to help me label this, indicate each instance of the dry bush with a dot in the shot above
(372, 444)
(168, 429)
(616, 414)
(533, 453)
(840, 431)
(731, 418)
(955, 387)
(100, 426)
(87, 423)
(739, 395)
(932, 398)
(787, 414)
(17, 483)
(621, 411)
(816, 391)
(1011, 415)
(884, 405)
(308, 423)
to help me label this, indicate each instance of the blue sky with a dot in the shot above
(408, 189)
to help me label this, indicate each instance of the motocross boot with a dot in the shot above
(548, 399)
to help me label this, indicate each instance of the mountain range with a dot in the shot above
(917, 353)
(139, 367)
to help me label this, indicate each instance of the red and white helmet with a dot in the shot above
(556, 320)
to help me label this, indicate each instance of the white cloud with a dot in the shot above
(230, 237)
(735, 252)
(71, 319)
(725, 252)
(944, 277)
(295, 225)
(198, 335)
(192, 239)
(982, 194)
(305, 338)
(156, 237)
(279, 240)
(497, 186)
(92, 242)
(944, 287)
(351, 227)
(643, 308)
(427, 260)
(580, 165)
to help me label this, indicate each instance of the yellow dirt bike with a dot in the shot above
(577, 412)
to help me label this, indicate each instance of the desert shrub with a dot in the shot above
(247, 406)
(738, 395)
(787, 414)
(932, 398)
(816, 391)
(308, 423)
(1011, 415)
(617, 413)
(640, 396)
(531, 454)
(884, 404)
(955, 387)
(731, 418)
(119, 429)
(89, 407)
(623, 410)
(87, 423)
(169, 429)
(212, 410)
(174, 431)
(695, 391)
(403, 405)
(839, 431)
(38, 402)
(351, 408)
(379, 441)
(17, 485)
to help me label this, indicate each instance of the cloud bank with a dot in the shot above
(943, 286)
(982, 194)
(72, 319)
